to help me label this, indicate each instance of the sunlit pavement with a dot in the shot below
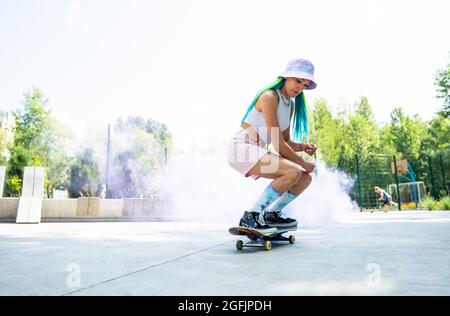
(395, 253)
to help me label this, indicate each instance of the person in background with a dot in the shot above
(384, 198)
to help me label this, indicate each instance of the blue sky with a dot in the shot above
(196, 65)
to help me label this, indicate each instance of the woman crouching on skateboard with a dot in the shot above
(268, 121)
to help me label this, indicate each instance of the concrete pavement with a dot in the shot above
(395, 253)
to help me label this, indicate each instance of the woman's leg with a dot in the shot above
(288, 197)
(284, 172)
(290, 179)
(302, 184)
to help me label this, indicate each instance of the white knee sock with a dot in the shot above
(281, 202)
(268, 196)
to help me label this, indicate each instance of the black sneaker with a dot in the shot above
(252, 220)
(275, 219)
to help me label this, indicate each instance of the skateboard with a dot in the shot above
(258, 239)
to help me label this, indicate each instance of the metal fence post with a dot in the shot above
(358, 177)
(108, 158)
(165, 156)
(433, 193)
(443, 173)
(396, 183)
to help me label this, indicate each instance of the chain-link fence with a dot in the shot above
(372, 171)
(408, 181)
(438, 175)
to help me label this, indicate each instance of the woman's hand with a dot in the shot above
(308, 166)
(310, 149)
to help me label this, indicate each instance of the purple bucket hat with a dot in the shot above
(301, 68)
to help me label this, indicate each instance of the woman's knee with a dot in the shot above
(306, 178)
(294, 174)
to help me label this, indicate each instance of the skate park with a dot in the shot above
(126, 155)
(369, 254)
(138, 247)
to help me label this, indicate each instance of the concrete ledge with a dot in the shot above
(87, 206)
(95, 209)
(81, 219)
(59, 208)
(147, 207)
(110, 208)
(8, 208)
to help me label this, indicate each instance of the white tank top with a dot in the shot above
(256, 119)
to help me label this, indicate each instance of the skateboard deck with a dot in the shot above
(259, 239)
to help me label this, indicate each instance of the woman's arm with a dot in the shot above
(310, 149)
(268, 104)
(287, 136)
(296, 146)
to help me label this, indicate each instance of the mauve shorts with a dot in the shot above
(244, 152)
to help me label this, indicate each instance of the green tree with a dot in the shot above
(159, 130)
(38, 141)
(30, 122)
(442, 83)
(363, 109)
(439, 131)
(362, 129)
(140, 154)
(356, 133)
(5, 137)
(406, 133)
(85, 178)
(386, 141)
(137, 151)
(350, 133)
(323, 134)
(54, 156)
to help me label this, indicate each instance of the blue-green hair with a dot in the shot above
(299, 124)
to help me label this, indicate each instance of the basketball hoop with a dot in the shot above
(402, 166)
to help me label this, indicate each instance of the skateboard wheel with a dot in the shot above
(267, 245)
(291, 239)
(239, 245)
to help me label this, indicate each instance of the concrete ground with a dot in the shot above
(395, 253)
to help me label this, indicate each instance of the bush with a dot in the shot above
(430, 204)
(409, 206)
(444, 203)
